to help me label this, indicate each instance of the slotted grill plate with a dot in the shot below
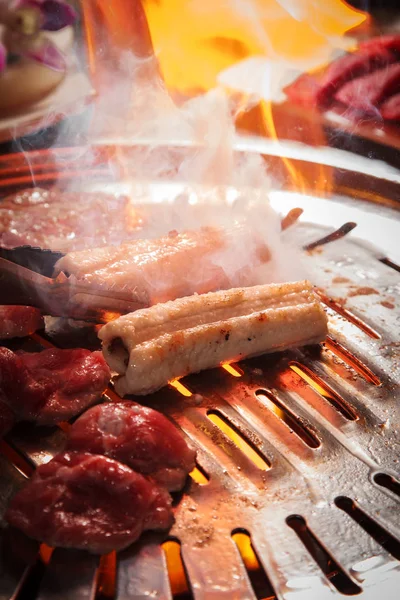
(354, 444)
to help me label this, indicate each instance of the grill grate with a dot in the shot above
(318, 517)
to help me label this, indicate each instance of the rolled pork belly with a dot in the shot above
(156, 345)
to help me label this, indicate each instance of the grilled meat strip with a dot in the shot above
(137, 436)
(155, 345)
(173, 266)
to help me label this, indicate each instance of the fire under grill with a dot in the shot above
(295, 493)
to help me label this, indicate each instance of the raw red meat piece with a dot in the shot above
(351, 66)
(304, 90)
(137, 436)
(66, 221)
(318, 89)
(52, 385)
(388, 42)
(18, 321)
(89, 502)
(365, 94)
(390, 109)
(7, 418)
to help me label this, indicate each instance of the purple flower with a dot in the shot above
(24, 20)
(55, 14)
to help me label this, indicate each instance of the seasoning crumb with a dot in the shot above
(340, 280)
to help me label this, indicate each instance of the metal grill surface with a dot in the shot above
(322, 506)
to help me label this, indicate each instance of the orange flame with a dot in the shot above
(194, 41)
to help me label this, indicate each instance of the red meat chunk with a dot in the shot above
(318, 89)
(89, 502)
(19, 321)
(52, 385)
(7, 418)
(349, 67)
(387, 42)
(365, 94)
(390, 109)
(137, 436)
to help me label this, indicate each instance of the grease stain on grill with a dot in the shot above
(324, 390)
(354, 362)
(238, 438)
(259, 580)
(179, 581)
(328, 565)
(378, 533)
(290, 419)
(388, 482)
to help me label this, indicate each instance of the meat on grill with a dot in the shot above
(89, 502)
(52, 385)
(19, 321)
(390, 109)
(318, 89)
(155, 345)
(361, 80)
(136, 436)
(66, 220)
(365, 94)
(176, 265)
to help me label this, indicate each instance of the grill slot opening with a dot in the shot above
(259, 580)
(324, 390)
(24, 466)
(178, 578)
(390, 263)
(347, 314)
(354, 362)
(239, 439)
(199, 475)
(290, 419)
(181, 388)
(106, 577)
(41, 339)
(233, 370)
(378, 533)
(388, 482)
(45, 553)
(324, 560)
(29, 586)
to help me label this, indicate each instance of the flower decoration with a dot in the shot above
(24, 24)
